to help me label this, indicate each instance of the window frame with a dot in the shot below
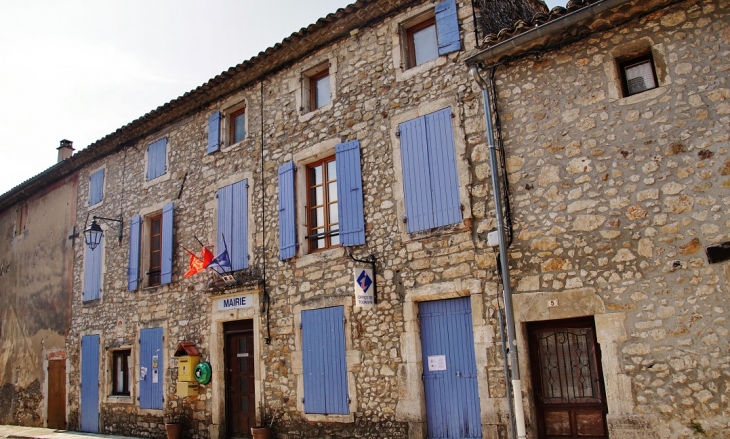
(126, 355)
(314, 80)
(21, 218)
(634, 61)
(312, 236)
(304, 86)
(231, 117)
(151, 251)
(424, 21)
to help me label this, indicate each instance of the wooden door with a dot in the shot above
(567, 380)
(240, 390)
(57, 394)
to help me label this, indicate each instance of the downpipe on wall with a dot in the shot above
(519, 414)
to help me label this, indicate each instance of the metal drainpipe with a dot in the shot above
(508, 310)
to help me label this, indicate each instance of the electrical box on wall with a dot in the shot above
(188, 357)
(185, 389)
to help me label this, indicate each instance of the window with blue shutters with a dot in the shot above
(150, 260)
(430, 35)
(232, 230)
(92, 272)
(332, 211)
(324, 362)
(157, 159)
(96, 187)
(430, 179)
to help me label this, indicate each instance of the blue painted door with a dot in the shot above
(90, 384)
(151, 369)
(449, 369)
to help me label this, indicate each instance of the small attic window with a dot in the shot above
(638, 75)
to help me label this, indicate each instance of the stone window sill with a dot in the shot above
(119, 399)
(322, 256)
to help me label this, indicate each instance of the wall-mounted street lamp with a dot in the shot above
(92, 235)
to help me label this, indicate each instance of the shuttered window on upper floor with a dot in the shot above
(96, 187)
(334, 202)
(150, 259)
(157, 159)
(232, 227)
(92, 272)
(430, 179)
(431, 34)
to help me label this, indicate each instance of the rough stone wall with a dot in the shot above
(35, 289)
(607, 195)
(622, 195)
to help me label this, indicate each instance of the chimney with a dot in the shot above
(65, 150)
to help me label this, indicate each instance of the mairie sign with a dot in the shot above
(232, 302)
(364, 287)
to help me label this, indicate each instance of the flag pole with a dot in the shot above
(225, 246)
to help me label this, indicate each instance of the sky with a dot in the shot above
(81, 69)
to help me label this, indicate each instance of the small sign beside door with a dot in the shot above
(363, 287)
(436, 362)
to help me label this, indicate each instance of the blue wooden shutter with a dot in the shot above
(349, 194)
(133, 266)
(92, 272)
(225, 209)
(96, 187)
(324, 363)
(313, 362)
(214, 132)
(442, 159)
(89, 419)
(150, 345)
(166, 253)
(287, 212)
(239, 225)
(447, 27)
(416, 175)
(156, 159)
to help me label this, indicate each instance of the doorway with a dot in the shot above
(57, 394)
(239, 378)
(567, 380)
(89, 419)
(449, 369)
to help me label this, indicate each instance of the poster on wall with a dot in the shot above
(364, 279)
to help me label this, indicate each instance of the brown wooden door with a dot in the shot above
(240, 392)
(57, 394)
(567, 380)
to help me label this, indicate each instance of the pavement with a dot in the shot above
(14, 431)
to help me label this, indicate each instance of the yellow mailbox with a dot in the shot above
(188, 357)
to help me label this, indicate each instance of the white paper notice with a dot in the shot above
(155, 376)
(436, 362)
(142, 372)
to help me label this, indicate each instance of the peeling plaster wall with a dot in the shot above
(35, 288)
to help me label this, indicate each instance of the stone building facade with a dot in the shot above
(36, 219)
(613, 201)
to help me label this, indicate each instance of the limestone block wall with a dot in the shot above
(614, 202)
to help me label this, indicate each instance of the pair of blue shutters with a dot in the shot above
(96, 187)
(89, 419)
(449, 369)
(157, 159)
(447, 27)
(323, 361)
(92, 272)
(151, 358)
(133, 269)
(233, 223)
(430, 179)
(349, 205)
(214, 132)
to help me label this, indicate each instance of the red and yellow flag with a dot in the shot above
(196, 264)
